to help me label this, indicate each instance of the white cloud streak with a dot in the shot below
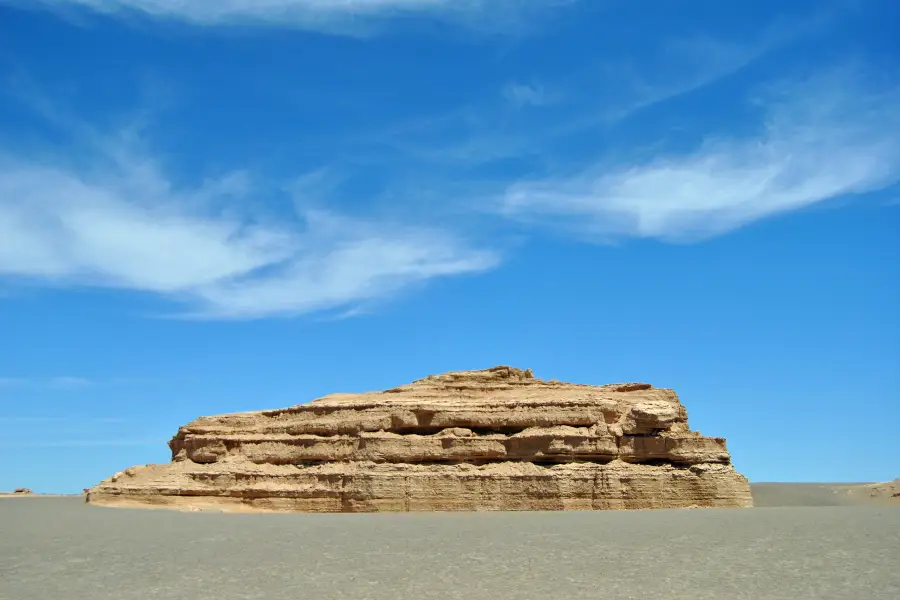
(80, 443)
(56, 383)
(525, 94)
(338, 16)
(593, 96)
(121, 223)
(821, 140)
(70, 383)
(62, 420)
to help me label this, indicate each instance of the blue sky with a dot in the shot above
(208, 207)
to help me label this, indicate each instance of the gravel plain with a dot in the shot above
(60, 548)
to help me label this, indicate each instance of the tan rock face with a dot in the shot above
(496, 439)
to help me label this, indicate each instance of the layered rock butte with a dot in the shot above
(496, 439)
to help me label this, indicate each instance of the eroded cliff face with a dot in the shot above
(496, 439)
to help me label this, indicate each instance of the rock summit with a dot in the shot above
(494, 439)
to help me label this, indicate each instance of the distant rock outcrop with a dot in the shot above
(884, 491)
(496, 439)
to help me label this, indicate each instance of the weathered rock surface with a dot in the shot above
(496, 439)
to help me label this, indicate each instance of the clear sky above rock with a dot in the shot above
(208, 207)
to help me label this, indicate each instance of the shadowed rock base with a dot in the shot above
(497, 439)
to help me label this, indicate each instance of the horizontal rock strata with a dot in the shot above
(497, 439)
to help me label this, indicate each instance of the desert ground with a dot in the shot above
(826, 494)
(832, 548)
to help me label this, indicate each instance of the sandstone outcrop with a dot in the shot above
(883, 492)
(496, 439)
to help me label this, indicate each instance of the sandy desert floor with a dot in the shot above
(827, 494)
(60, 548)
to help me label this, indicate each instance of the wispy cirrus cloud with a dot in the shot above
(55, 383)
(336, 16)
(64, 443)
(586, 94)
(528, 94)
(825, 138)
(62, 420)
(682, 64)
(69, 383)
(116, 220)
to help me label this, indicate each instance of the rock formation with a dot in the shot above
(496, 439)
